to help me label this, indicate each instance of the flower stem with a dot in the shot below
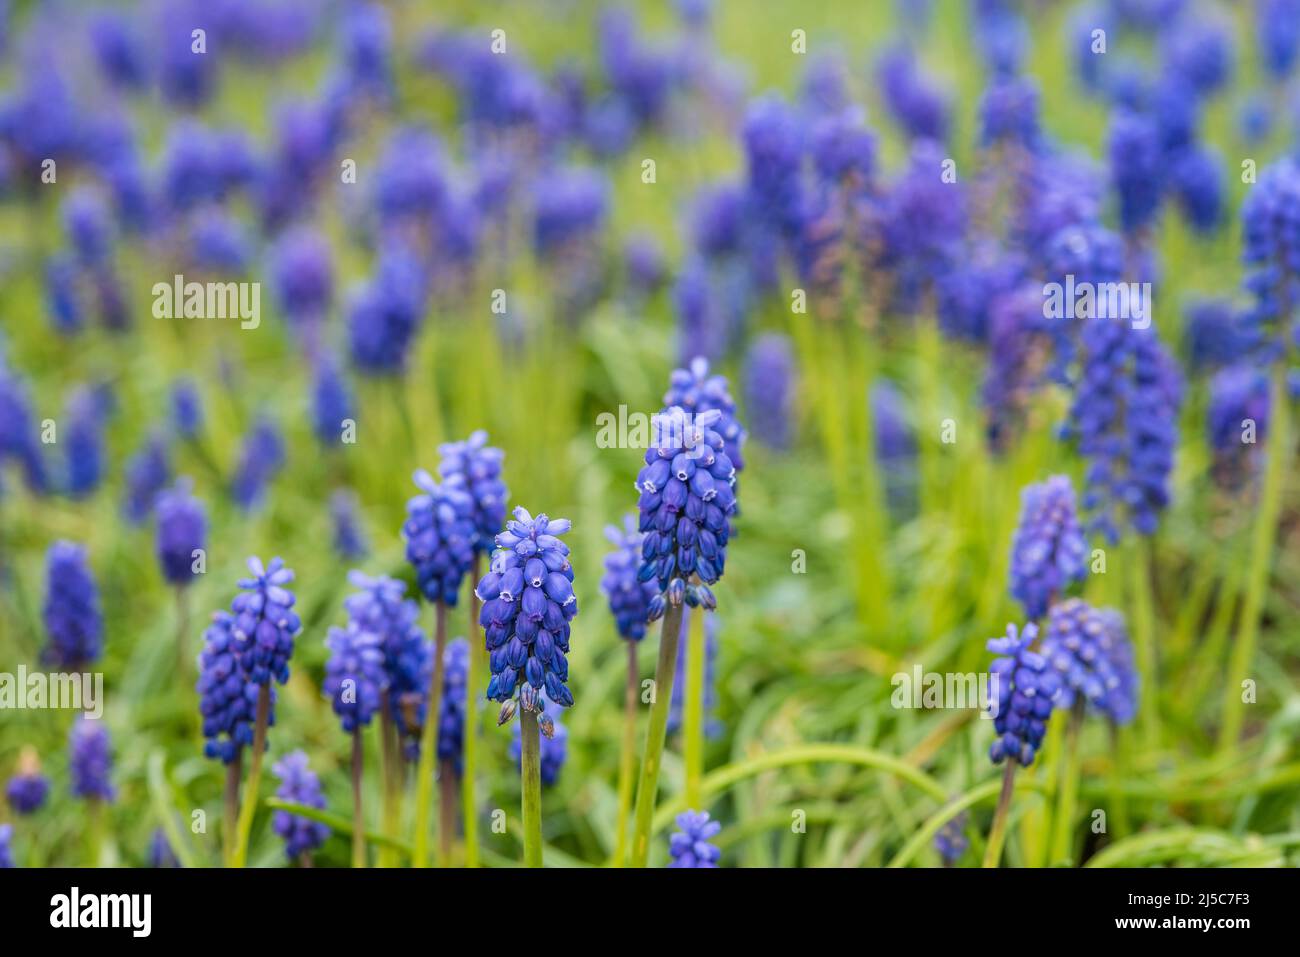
(240, 854)
(358, 818)
(95, 831)
(998, 833)
(1261, 556)
(389, 756)
(473, 679)
(183, 663)
(655, 733)
(1067, 796)
(429, 742)
(446, 810)
(1144, 637)
(693, 706)
(234, 771)
(627, 759)
(531, 781)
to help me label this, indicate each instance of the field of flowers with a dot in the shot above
(698, 433)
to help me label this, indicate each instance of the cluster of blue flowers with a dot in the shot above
(182, 531)
(1090, 650)
(28, 788)
(1027, 689)
(528, 602)
(73, 619)
(689, 846)
(440, 537)
(455, 702)
(1049, 551)
(629, 596)
(90, 760)
(299, 784)
(477, 466)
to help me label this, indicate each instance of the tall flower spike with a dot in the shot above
(260, 459)
(686, 504)
(440, 536)
(227, 696)
(769, 387)
(689, 846)
(1027, 689)
(629, 597)
(147, 473)
(478, 466)
(451, 719)
(528, 602)
(695, 391)
(1049, 550)
(182, 530)
(382, 608)
(299, 784)
(28, 788)
(73, 620)
(355, 679)
(1089, 649)
(90, 760)
(264, 621)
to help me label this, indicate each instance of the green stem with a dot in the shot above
(998, 833)
(469, 763)
(1261, 557)
(627, 758)
(429, 742)
(234, 771)
(1144, 636)
(358, 818)
(1067, 796)
(655, 733)
(976, 795)
(446, 810)
(693, 706)
(239, 856)
(390, 757)
(531, 782)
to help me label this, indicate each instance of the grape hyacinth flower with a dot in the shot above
(528, 603)
(1027, 690)
(769, 375)
(182, 532)
(1237, 419)
(629, 597)
(6, 851)
(28, 788)
(187, 410)
(349, 538)
(260, 460)
(298, 784)
(227, 698)
(1049, 550)
(1090, 651)
(440, 537)
(951, 841)
(147, 473)
(332, 403)
(161, 854)
(555, 745)
(73, 620)
(355, 679)
(452, 714)
(90, 760)
(476, 466)
(85, 444)
(689, 846)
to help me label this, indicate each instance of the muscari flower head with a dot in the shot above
(570, 205)
(160, 850)
(19, 436)
(385, 313)
(1215, 334)
(264, 622)
(476, 467)
(147, 473)
(1237, 420)
(1009, 113)
(685, 508)
(689, 846)
(629, 597)
(1278, 31)
(1049, 550)
(381, 607)
(28, 788)
(951, 841)
(911, 97)
(554, 748)
(451, 720)
(349, 537)
(1270, 223)
(440, 537)
(89, 225)
(227, 697)
(332, 402)
(1027, 689)
(261, 457)
(1198, 185)
(1089, 650)
(6, 852)
(90, 760)
(187, 410)
(1199, 50)
(528, 602)
(299, 784)
(355, 679)
(85, 444)
(73, 620)
(303, 275)
(1136, 168)
(769, 387)
(182, 528)
(774, 144)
